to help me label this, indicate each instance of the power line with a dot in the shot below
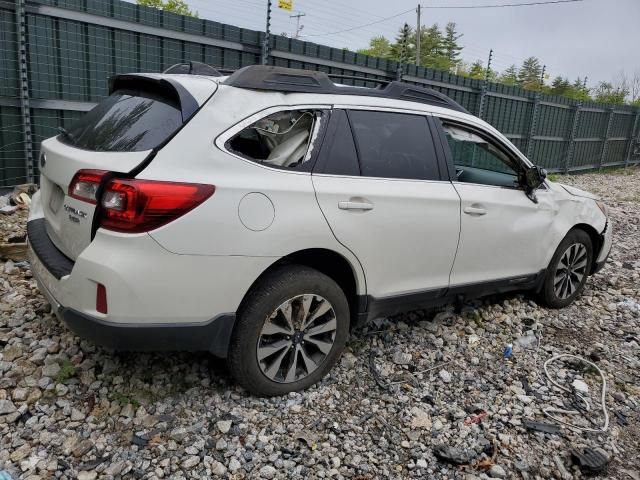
(527, 4)
(358, 27)
(362, 26)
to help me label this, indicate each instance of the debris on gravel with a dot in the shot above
(421, 395)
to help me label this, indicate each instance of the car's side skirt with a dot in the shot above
(372, 307)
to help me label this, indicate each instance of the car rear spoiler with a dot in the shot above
(167, 87)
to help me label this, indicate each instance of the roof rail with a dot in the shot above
(280, 79)
(358, 79)
(193, 68)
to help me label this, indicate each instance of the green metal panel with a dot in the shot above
(8, 55)
(12, 167)
(43, 58)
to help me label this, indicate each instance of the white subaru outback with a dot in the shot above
(261, 215)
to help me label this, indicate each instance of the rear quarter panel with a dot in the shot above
(215, 228)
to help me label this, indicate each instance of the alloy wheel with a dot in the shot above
(296, 338)
(570, 271)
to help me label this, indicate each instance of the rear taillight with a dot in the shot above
(135, 206)
(84, 185)
(101, 298)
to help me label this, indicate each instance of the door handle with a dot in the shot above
(344, 205)
(475, 211)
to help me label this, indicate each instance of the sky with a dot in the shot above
(596, 38)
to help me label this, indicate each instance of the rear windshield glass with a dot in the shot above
(126, 121)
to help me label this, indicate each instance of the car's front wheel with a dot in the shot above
(290, 331)
(568, 270)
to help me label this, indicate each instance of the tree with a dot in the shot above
(450, 46)
(176, 6)
(634, 88)
(378, 47)
(606, 92)
(404, 47)
(509, 76)
(560, 86)
(477, 70)
(529, 74)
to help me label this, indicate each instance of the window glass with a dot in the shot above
(394, 145)
(126, 121)
(338, 155)
(280, 140)
(479, 160)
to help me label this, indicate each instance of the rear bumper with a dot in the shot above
(212, 336)
(157, 300)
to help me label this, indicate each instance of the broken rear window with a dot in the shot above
(284, 139)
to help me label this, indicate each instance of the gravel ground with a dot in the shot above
(410, 398)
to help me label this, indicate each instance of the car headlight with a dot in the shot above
(603, 208)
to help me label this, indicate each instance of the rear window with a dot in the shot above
(394, 145)
(126, 121)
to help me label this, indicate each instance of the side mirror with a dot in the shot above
(534, 177)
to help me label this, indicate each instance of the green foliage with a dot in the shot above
(477, 71)
(67, 371)
(175, 6)
(378, 47)
(509, 76)
(403, 49)
(605, 92)
(441, 50)
(530, 73)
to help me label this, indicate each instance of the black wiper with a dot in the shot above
(64, 132)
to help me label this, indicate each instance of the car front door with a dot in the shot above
(379, 185)
(505, 235)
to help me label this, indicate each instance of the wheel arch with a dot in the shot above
(333, 264)
(596, 240)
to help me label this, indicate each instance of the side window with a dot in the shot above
(282, 139)
(394, 145)
(338, 155)
(478, 159)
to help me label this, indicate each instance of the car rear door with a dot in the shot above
(505, 235)
(381, 189)
(118, 135)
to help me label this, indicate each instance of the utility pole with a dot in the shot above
(544, 69)
(584, 84)
(267, 32)
(299, 27)
(418, 36)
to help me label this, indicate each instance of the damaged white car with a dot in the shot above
(262, 215)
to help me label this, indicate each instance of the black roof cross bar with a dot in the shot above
(280, 79)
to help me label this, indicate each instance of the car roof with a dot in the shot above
(289, 80)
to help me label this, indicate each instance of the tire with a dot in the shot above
(262, 326)
(559, 288)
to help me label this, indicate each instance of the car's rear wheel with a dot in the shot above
(290, 331)
(568, 270)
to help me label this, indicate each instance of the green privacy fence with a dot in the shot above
(56, 57)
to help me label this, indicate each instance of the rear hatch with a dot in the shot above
(120, 135)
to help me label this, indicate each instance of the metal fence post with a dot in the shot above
(533, 124)
(605, 143)
(483, 94)
(23, 72)
(572, 137)
(627, 157)
(267, 36)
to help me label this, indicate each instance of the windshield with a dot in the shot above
(126, 121)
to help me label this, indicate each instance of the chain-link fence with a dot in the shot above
(56, 57)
